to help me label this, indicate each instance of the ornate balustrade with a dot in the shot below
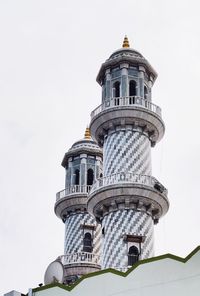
(111, 180)
(73, 189)
(128, 178)
(126, 101)
(79, 257)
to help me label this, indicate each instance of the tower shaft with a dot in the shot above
(75, 228)
(127, 154)
(115, 248)
(127, 149)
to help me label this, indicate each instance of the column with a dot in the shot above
(141, 82)
(108, 84)
(83, 158)
(124, 80)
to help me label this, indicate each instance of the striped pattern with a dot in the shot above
(127, 151)
(120, 223)
(74, 233)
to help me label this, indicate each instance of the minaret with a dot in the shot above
(128, 200)
(83, 165)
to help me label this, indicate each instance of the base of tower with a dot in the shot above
(74, 271)
(128, 236)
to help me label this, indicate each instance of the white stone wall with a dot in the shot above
(162, 277)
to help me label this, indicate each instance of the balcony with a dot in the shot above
(127, 101)
(128, 191)
(71, 199)
(134, 112)
(128, 178)
(73, 189)
(79, 257)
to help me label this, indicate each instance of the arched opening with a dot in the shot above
(116, 92)
(77, 176)
(132, 91)
(116, 89)
(87, 242)
(133, 255)
(145, 92)
(101, 175)
(132, 88)
(90, 177)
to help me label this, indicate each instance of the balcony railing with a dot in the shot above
(80, 257)
(129, 178)
(126, 101)
(73, 189)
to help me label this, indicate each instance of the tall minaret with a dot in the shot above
(83, 165)
(128, 200)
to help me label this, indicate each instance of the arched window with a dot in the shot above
(90, 177)
(133, 255)
(116, 92)
(77, 176)
(101, 175)
(145, 92)
(87, 243)
(132, 88)
(132, 91)
(116, 89)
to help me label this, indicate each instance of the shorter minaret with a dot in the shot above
(83, 165)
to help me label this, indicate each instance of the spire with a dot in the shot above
(87, 133)
(125, 42)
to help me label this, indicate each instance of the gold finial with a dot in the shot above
(87, 133)
(125, 42)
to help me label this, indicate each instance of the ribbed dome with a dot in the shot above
(86, 142)
(86, 145)
(127, 55)
(125, 52)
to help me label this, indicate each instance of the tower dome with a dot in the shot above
(85, 145)
(130, 57)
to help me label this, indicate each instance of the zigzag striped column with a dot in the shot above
(74, 233)
(128, 200)
(127, 150)
(121, 222)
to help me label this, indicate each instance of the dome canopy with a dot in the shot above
(128, 55)
(86, 142)
(123, 52)
(86, 145)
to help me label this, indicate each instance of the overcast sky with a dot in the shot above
(50, 54)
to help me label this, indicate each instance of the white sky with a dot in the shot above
(50, 55)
